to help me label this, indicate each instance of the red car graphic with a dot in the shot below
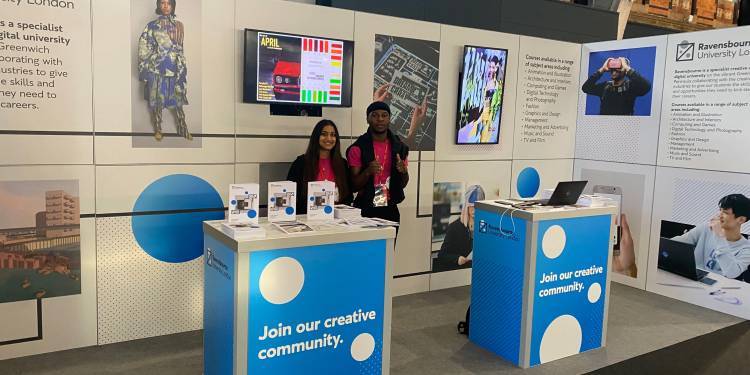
(286, 79)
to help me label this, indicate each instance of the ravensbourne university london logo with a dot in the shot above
(209, 257)
(482, 226)
(685, 51)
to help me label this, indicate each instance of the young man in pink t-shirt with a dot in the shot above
(378, 161)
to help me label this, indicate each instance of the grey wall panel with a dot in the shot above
(414, 9)
(481, 14)
(638, 30)
(550, 19)
(565, 19)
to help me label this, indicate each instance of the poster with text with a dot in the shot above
(706, 103)
(620, 100)
(166, 98)
(699, 250)
(406, 77)
(45, 65)
(548, 79)
(631, 187)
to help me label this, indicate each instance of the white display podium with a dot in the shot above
(313, 303)
(540, 281)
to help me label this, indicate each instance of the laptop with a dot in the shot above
(679, 258)
(672, 229)
(566, 193)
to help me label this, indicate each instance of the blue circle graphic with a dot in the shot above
(328, 210)
(252, 214)
(312, 199)
(175, 237)
(528, 182)
(234, 202)
(273, 199)
(289, 210)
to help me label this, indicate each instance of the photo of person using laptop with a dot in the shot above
(719, 244)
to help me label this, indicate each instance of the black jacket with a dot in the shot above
(457, 243)
(617, 100)
(396, 186)
(297, 174)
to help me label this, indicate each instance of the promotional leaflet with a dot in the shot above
(320, 200)
(282, 200)
(243, 203)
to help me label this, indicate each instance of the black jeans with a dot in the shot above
(388, 213)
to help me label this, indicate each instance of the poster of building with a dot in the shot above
(40, 240)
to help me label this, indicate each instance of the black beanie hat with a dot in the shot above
(374, 106)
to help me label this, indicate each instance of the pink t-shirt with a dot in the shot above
(325, 170)
(382, 155)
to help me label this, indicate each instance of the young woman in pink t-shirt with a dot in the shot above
(321, 162)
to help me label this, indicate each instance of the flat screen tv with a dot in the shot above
(284, 68)
(480, 95)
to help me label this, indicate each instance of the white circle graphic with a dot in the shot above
(553, 241)
(595, 292)
(281, 280)
(562, 338)
(362, 347)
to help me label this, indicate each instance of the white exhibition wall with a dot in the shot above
(671, 160)
(93, 132)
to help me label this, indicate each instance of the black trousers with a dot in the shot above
(388, 213)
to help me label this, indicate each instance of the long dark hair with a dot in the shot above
(312, 155)
(158, 8)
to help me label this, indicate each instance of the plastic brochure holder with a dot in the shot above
(282, 201)
(321, 200)
(243, 204)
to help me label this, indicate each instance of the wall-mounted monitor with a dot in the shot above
(292, 69)
(480, 95)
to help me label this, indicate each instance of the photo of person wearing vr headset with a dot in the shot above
(618, 94)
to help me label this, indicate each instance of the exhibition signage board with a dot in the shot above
(316, 302)
(540, 282)
(705, 105)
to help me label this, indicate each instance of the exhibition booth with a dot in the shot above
(111, 206)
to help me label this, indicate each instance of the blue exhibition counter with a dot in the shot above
(540, 281)
(303, 303)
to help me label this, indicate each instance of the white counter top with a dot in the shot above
(277, 239)
(539, 213)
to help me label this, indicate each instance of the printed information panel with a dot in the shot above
(317, 310)
(706, 101)
(548, 81)
(45, 65)
(569, 287)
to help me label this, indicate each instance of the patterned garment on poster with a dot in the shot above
(161, 63)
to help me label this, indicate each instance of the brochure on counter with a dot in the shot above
(244, 205)
(343, 211)
(370, 222)
(292, 227)
(243, 231)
